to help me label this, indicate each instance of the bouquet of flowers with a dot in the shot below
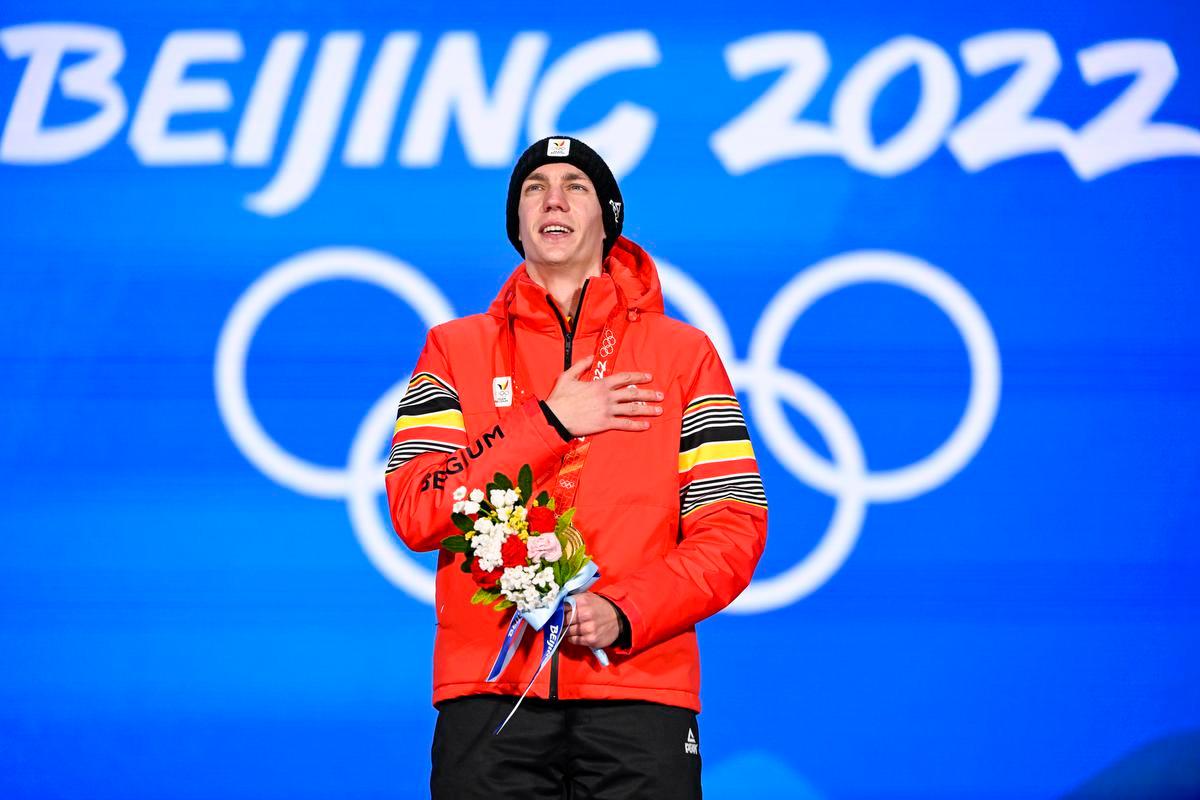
(519, 555)
(526, 557)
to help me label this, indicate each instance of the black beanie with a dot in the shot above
(556, 149)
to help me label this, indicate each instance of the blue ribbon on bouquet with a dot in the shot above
(549, 621)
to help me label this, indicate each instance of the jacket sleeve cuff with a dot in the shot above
(544, 430)
(553, 420)
(627, 614)
(624, 635)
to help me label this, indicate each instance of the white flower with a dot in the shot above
(476, 495)
(460, 493)
(487, 550)
(503, 514)
(520, 512)
(483, 525)
(496, 498)
(545, 578)
(513, 582)
(529, 587)
(470, 507)
(458, 507)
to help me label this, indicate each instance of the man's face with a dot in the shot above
(558, 217)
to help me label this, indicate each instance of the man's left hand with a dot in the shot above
(595, 622)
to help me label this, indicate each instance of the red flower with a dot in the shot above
(486, 580)
(541, 519)
(514, 552)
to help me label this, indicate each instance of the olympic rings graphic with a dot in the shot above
(610, 341)
(845, 477)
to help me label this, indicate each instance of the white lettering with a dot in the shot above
(1004, 127)
(25, 140)
(312, 139)
(624, 134)
(769, 130)
(376, 115)
(488, 114)
(168, 94)
(454, 85)
(923, 134)
(260, 124)
(1122, 134)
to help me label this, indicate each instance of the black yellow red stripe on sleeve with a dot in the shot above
(716, 460)
(429, 420)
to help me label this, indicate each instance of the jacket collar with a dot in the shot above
(629, 279)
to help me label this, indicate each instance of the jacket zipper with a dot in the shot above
(568, 332)
(568, 337)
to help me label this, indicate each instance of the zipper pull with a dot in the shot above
(632, 315)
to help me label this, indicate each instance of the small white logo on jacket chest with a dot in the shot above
(502, 391)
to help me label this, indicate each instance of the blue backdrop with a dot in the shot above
(948, 254)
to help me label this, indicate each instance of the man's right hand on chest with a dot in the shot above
(585, 406)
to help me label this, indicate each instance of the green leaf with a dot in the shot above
(456, 544)
(543, 499)
(577, 561)
(564, 520)
(502, 482)
(559, 569)
(463, 523)
(503, 604)
(484, 597)
(525, 482)
(466, 565)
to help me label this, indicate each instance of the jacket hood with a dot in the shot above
(628, 269)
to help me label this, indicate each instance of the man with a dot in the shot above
(576, 371)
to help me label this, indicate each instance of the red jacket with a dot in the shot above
(674, 516)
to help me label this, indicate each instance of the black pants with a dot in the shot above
(564, 750)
